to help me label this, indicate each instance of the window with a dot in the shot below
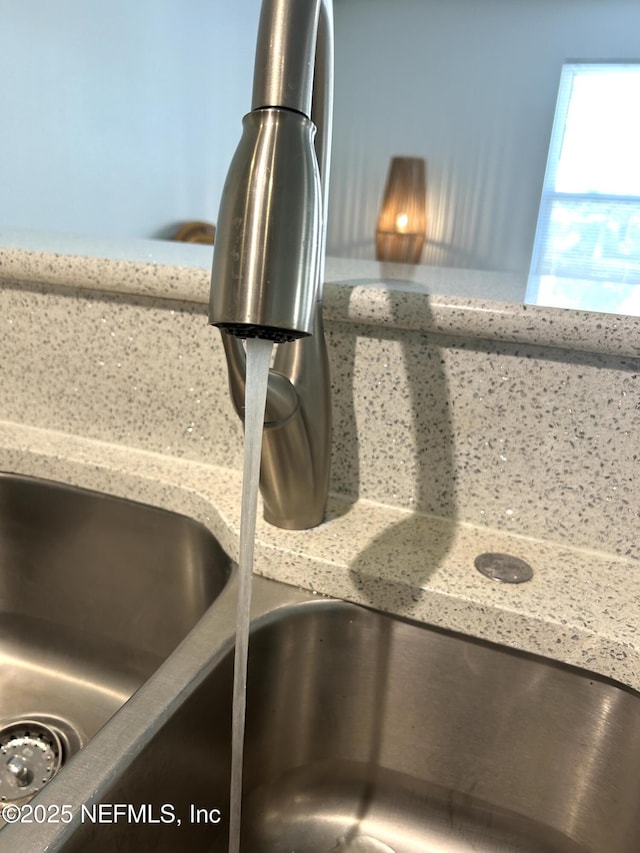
(587, 246)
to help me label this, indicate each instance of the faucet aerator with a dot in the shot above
(265, 333)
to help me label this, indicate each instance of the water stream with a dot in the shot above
(257, 376)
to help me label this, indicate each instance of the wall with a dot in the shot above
(471, 86)
(120, 118)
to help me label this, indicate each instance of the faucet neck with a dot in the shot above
(290, 33)
(268, 261)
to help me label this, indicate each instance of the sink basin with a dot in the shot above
(368, 733)
(95, 592)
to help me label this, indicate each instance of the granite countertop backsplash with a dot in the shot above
(461, 425)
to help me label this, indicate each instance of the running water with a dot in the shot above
(257, 376)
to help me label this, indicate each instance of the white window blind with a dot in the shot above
(587, 247)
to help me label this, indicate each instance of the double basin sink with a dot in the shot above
(364, 732)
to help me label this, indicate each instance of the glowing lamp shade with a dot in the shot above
(402, 224)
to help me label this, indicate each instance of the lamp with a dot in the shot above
(402, 224)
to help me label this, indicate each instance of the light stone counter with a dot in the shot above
(470, 303)
(582, 606)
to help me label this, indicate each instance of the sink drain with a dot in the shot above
(30, 755)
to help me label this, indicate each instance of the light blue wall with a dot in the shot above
(471, 86)
(120, 117)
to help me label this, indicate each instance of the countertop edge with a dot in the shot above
(355, 292)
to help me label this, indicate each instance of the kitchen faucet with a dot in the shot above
(268, 261)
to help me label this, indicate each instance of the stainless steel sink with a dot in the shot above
(364, 733)
(95, 592)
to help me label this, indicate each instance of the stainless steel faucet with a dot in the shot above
(268, 261)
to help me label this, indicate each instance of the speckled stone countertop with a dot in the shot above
(579, 608)
(582, 606)
(485, 305)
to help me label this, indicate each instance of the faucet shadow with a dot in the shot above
(410, 443)
(389, 572)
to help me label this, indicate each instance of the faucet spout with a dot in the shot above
(268, 263)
